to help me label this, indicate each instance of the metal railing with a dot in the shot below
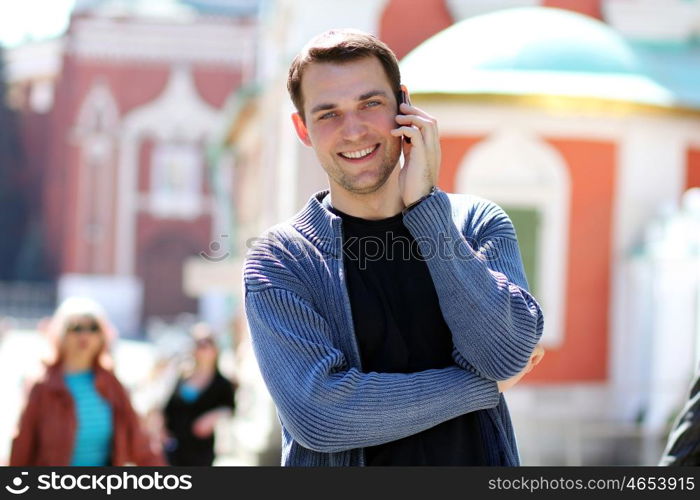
(22, 304)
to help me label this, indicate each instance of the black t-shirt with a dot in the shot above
(400, 329)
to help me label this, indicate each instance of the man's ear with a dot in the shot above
(300, 127)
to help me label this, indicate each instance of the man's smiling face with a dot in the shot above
(350, 110)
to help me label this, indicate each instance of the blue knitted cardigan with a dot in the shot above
(301, 325)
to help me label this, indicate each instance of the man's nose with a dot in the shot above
(353, 127)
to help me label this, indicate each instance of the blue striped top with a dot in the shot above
(93, 437)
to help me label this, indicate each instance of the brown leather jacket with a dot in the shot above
(47, 426)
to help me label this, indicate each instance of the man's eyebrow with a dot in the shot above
(372, 93)
(321, 107)
(363, 97)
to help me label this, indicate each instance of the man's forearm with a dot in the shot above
(495, 323)
(329, 407)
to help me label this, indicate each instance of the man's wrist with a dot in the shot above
(411, 206)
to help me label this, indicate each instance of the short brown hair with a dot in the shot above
(339, 46)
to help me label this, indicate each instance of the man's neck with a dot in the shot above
(381, 204)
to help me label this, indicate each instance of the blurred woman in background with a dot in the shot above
(78, 413)
(201, 398)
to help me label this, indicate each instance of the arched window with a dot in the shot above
(95, 131)
(176, 180)
(530, 181)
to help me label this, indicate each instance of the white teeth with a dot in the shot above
(358, 154)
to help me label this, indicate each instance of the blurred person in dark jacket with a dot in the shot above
(201, 398)
(683, 447)
(78, 413)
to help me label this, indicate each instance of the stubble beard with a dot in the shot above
(390, 161)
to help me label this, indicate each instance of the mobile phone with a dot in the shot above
(403, 97)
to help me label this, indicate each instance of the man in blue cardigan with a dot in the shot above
(387, 316)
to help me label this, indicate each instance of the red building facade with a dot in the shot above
(124, 184)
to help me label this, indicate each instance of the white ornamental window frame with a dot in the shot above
(171, 198)
(543, 184)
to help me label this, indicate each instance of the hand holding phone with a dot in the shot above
(421, 149)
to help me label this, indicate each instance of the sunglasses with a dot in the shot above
(84, 327)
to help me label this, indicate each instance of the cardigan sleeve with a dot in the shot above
(327, 406)
(481, 285)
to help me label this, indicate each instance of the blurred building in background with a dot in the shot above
(159, 141)
(117, 119)
(119, 114)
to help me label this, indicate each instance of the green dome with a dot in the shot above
(534, 50)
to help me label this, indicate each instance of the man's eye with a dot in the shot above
(372, 104)
(325, 116)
